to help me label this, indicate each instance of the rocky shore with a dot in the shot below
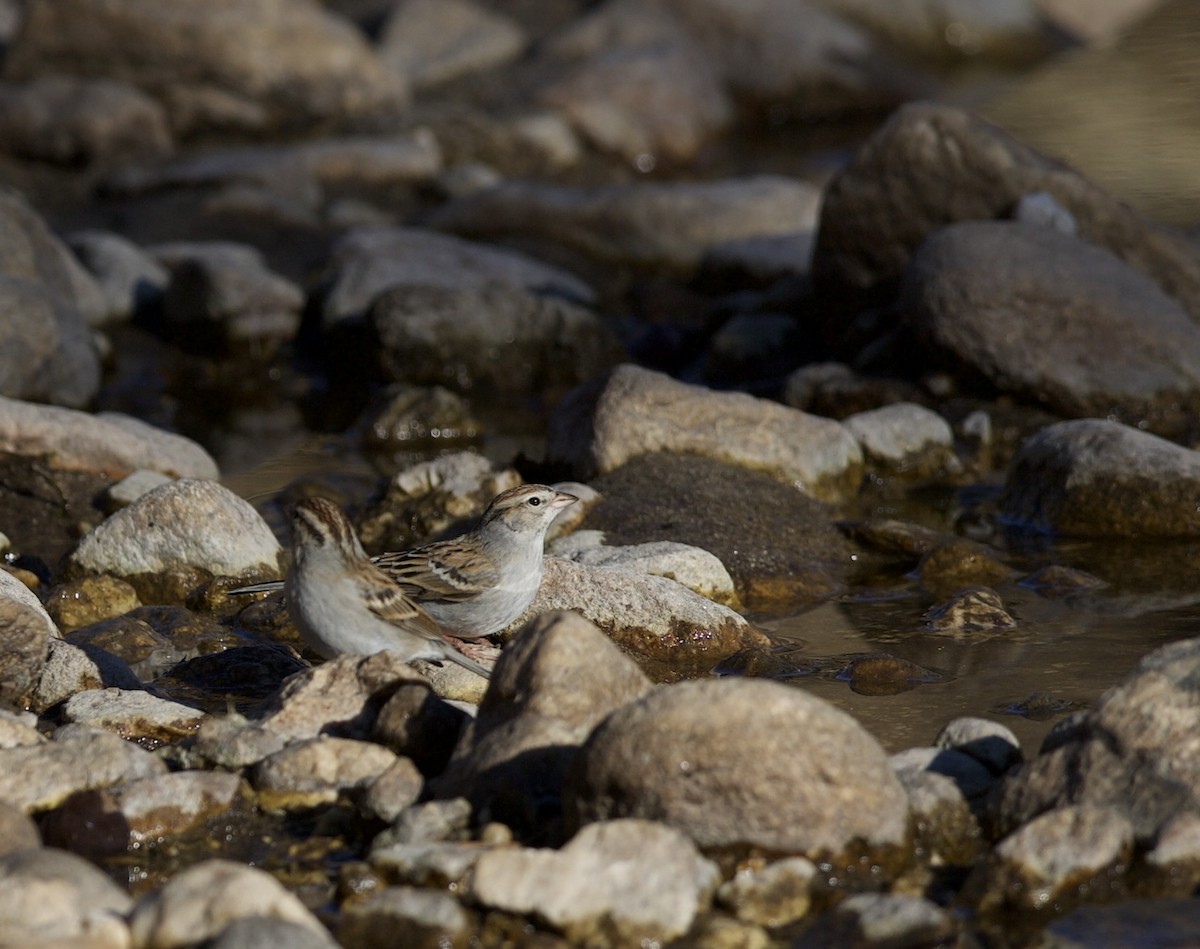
(437, 249)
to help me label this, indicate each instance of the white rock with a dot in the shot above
(898, 434)
(697, 569)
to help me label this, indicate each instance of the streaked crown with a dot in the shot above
(319, 522)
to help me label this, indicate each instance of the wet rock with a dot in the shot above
(960, 562)
(391, 792)
(1056, 581)
(187, 527)
(132, 714)
(667, 226)
(80, 758)
(729, 761)
(899, 190)
(17, 831)
(366, 262)
(130, 280)
(1057, 858)
(783, 551)
(972, 778)
(266, 65)
(201, 901)
(341, 697)
(904, 438)
(895, 538)
(628, 880)
(88, 600)
(69, 121)
(51, 897)
(495, 340)
(554, 682)
(1092, 477)
(309, 773)
(1084, 333)
(430, 41)
(234, 743)
(696, 569)
(970, 611)
(600, 67)
(988, 742)
(25, 633)
(944, 823)
(49, 355)
(70, 669)
(249, 672)
(400, 915)
(771, 896)
(104, 822)
(647, 615)
(632, 411)
(145, 650)
(835, 390)
(440, 864)
(222, 293)
(881, 919)
(1130, 752)
(885, 674)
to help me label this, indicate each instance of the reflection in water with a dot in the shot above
(1060, 658)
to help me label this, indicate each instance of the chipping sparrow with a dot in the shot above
(343, 603)
(476, 584)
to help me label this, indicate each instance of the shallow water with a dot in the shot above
(1061, 657)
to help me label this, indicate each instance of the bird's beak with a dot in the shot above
(562, 499)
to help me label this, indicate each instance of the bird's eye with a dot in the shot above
(534, 502)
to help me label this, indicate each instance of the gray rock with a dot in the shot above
(440, 864)
(427, 822)
(649, 616)
(557, 679)
(391, 792)
(1040, 209)
(244, 66)
(40, 777)
(26, 630)
(367, 262)
(51, 897)
(1130, 752)
(185, 524)
(400, 915)
(663, 226)
(132, 714)
(1093, 477)
(315, 771)
(497, 339)
(1173, 921)
(232, 742)
(109, 443)
(70, 669)
(415, 722)
(432, 41)
(944, 821)
(1055, 858)
(18, 729)
(1051, 319)
(200, 902)
(224, 290)
(773, 896)
(71, 121)
(632, 411)
(784, 551)
(731, 762)
(258, 932)
(133, 486)
(881, 919)
(597, 72)
(973, 778)
(899, 190)
(631, 880)
(988, 742)
(751, 347)
(904, 438)
(17, 831)
(340, 697)
(694, 567)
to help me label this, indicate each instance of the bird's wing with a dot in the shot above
(443, 571)
(389, 603)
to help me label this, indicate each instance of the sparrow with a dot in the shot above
(343, 603)
(476, 584)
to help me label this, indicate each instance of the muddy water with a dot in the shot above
(1061, 657)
